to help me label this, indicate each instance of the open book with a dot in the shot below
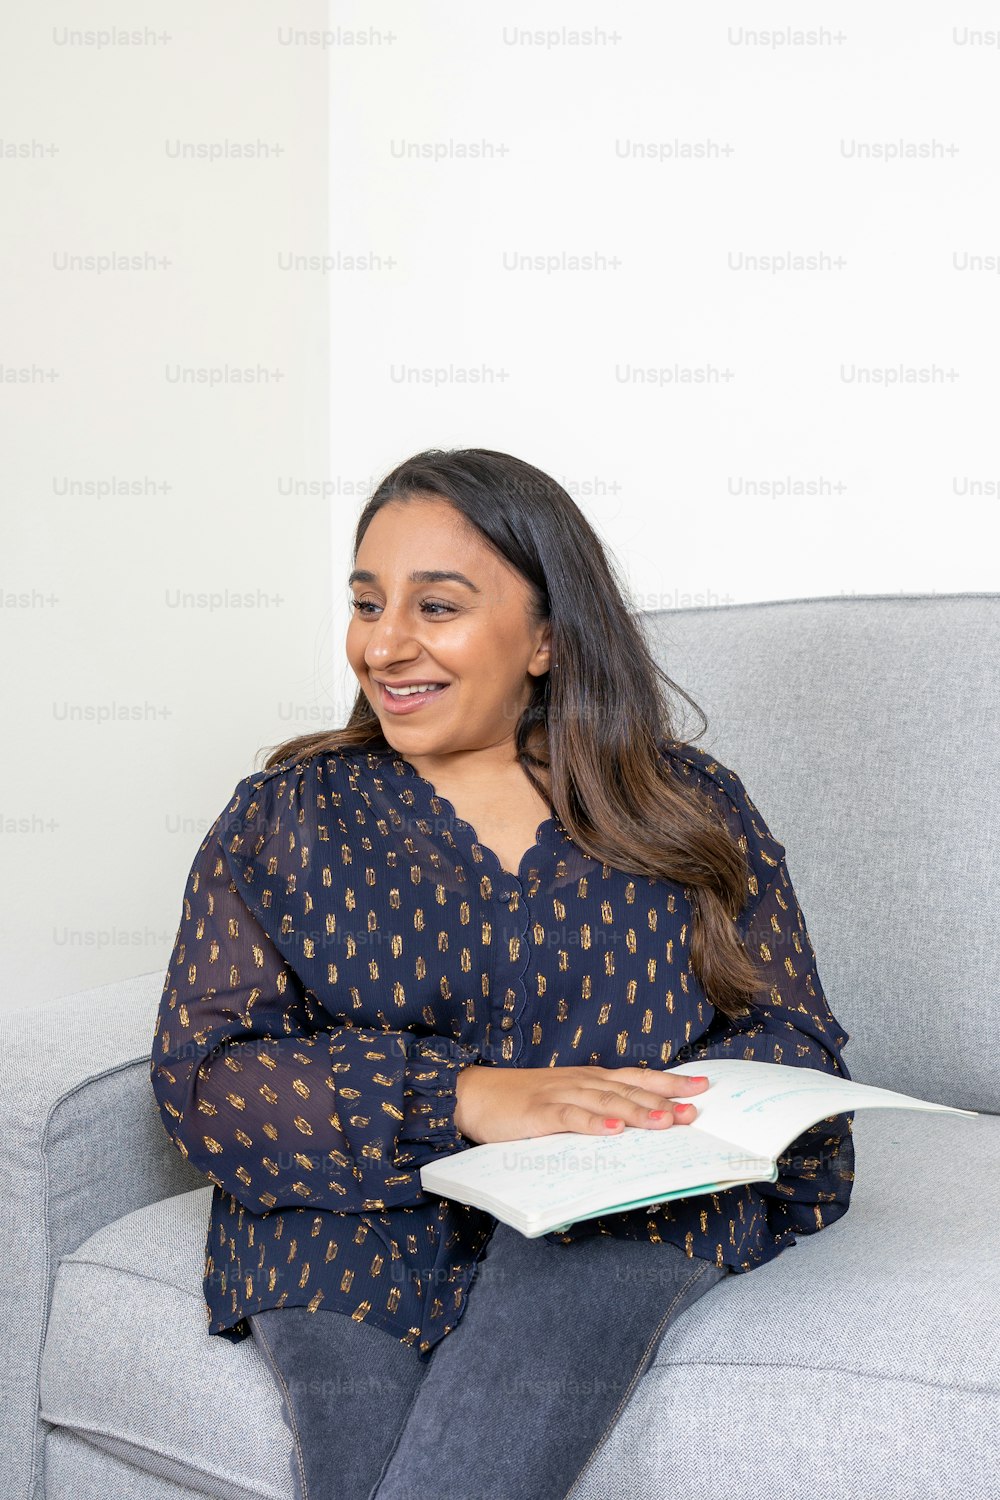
(748, 1116)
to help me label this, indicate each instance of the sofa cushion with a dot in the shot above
(864, 731)
(128, 1362)
(879, 1334)
(74, 1470)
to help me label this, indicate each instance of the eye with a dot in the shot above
(361, 606)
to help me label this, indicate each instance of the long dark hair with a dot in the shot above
(594, 719)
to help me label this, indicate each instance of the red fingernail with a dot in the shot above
(698, 1078)
(657, 1114)
(612, 1123)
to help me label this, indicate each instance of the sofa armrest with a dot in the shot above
(83, 1145)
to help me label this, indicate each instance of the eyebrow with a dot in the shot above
(419, 575)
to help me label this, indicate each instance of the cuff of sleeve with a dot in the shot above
(429, 1100)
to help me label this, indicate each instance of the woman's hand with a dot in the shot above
(511, 1104)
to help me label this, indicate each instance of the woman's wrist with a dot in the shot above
(466, 1083)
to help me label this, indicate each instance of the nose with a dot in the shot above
(388, 640)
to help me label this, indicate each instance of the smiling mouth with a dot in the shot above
(408, 702)
(414, 692)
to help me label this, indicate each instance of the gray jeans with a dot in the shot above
(512, 1405)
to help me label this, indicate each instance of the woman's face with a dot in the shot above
(477, 640)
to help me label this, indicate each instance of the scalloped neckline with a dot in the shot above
(488, 852)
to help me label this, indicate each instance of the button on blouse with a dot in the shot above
(346, 946)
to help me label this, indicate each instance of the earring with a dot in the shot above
(545, 690)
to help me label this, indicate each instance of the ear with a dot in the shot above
(542, 660)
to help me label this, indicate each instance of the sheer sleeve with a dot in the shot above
(791, 1024)
(271, 1105)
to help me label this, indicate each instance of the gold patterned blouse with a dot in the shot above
(346, 946)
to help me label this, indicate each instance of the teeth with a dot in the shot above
(406, 692)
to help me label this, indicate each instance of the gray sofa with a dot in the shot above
(864, 1361)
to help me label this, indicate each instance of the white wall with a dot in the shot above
(580, 156)
(130, 713)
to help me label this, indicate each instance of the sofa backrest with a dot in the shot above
(865, 730)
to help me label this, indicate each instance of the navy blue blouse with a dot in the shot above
(346, 946)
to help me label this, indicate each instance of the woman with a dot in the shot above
(504, 901)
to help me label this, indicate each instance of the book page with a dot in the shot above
(572, 1175)
(746, 1118)
(766, 1106)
